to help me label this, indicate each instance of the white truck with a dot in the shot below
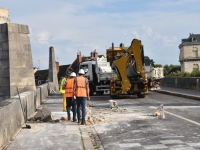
(98, 71)
(153, 74)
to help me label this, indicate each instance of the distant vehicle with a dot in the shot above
(98, 71)
(129, 76)
(153, 74)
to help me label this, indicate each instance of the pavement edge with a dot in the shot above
(178, 94)
(87, 143)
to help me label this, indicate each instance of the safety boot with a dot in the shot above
(79, 121)
(83, 122)
(69, 118)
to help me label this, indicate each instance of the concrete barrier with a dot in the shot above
(192, 83)
(11, 116)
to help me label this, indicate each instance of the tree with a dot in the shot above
(152, 63)
(158, 65)
(167, 68)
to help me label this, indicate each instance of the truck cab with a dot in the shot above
(98, 71)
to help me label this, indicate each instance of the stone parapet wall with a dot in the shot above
(11, 116)
(16, 65)
(181, 82)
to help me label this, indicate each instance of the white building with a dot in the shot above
(189, 57)
(158, 73)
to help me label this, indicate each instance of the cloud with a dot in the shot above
(172, 3)
(147, 30)
(87, 25)
(169, 41)
(156, 36)
(135, 33)
(43, 37)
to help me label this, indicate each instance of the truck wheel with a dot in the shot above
(91, 90)
(140, 95)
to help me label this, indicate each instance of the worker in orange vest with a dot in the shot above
(69, 94)
(81, 88)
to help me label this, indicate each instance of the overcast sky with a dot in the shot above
(85, 25)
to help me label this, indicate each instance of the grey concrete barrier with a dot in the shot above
(181, 82)
(11, 113)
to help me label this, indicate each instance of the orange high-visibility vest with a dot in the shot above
(81, 87)
(69, 87)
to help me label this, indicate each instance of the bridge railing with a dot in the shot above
(192, 83)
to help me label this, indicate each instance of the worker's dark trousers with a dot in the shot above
(81, 102)
(72, 103)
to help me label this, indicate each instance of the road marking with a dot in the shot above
(182, 148)
(136, 131)
(194, 122)
(123, 145)
(171, 142)
(194, 144)
(168, 137)
(129, 140)
(157, 146)
(181, 107)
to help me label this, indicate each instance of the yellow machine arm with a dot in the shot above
(135, 52)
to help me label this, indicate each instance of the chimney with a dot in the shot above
(92, 54)
(57, 66)
(95, 53)
(79, 57)
(121, 45)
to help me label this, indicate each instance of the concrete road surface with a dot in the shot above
(133, 127)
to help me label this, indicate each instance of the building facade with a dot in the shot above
(158, 73)
(189, 57)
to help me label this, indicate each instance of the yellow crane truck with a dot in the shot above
(129, 77)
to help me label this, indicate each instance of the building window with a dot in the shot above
(195, 67)
(195, 52)
(194, 39)
(159, 71)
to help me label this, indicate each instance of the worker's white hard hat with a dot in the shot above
(73, 74)
(81, 71)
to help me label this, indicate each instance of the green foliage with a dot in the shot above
(195, 73)
(184, 74)
(152, 63)
(167, 68)
(158, 65)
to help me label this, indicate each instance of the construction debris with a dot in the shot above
(63, 118)
(103, 115)
(113, 104)
(43, 114)
(160, 112)
(89, 104)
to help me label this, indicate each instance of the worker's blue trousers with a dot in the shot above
(81, 103)
(72, 103)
